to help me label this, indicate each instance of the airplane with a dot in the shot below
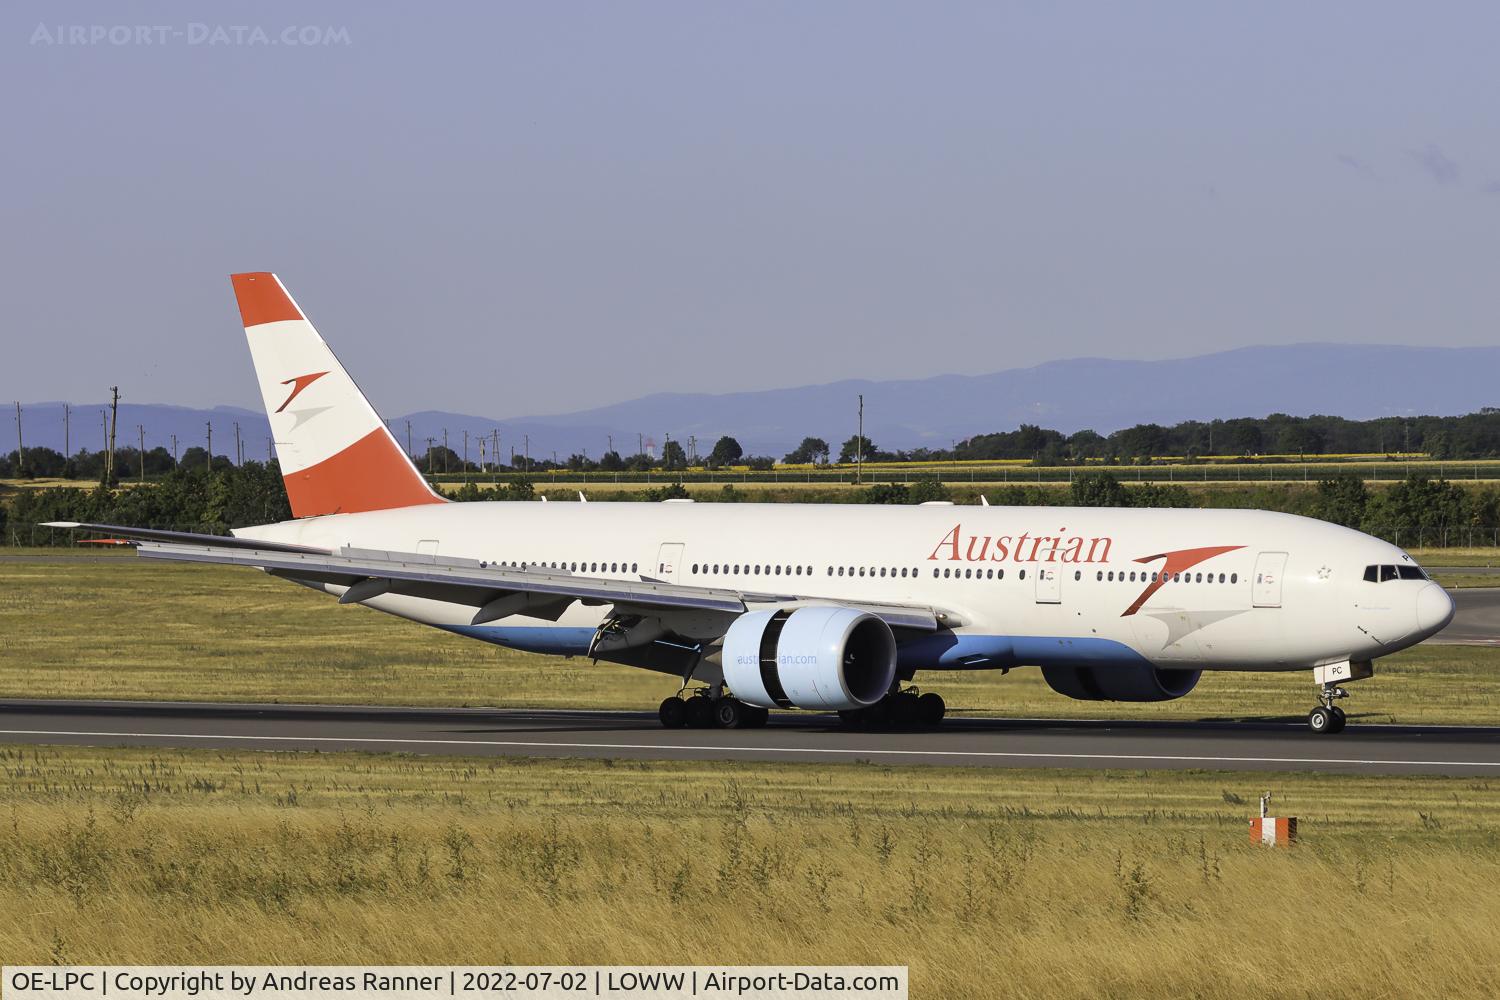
(829, 608)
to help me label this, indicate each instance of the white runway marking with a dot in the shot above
(988, 754)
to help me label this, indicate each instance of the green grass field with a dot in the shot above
(986, 882)
(121, 627)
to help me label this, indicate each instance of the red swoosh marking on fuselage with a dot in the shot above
(1176, 562)
(302, 382)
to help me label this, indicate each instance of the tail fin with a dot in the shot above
(337, 457)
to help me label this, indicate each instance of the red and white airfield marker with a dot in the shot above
(1273, 831)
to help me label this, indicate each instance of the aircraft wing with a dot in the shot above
(493, 591)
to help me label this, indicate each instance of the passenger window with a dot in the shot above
(1000, 574)
(1099, 576)
(1022, 575)
(1078, 574)
(1221, 577)
(1234, 578)
(1199, 579)
(1111, 576)
(946, 573)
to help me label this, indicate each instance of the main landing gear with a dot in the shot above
(1327, 717)
(701, 710)
(909, 709)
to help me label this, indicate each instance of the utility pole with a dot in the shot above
(114, 413)
(174, 451)
(445, 449)
(482, 463)
(692, 449)
(239, 453)
(495, 446)
(859, 444)
(528, 452)
(210, 424)
(140, 430)
(466, 453)
(20, 448)
(408, 442)
(429, 456)
(67, 438)
(611, 441)
(640, 444)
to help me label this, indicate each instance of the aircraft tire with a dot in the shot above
(700, 713)
(673, 713)
(931, 709)
(730, 714)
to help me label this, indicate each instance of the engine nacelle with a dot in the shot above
(820, 657)
(1140, 682)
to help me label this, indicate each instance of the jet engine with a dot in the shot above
(1137, 682)
(819, 657)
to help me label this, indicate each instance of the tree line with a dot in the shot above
(1472, 436)
(229, 496)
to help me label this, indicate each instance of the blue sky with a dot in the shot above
(513, 208)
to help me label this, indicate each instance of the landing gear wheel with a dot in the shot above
(700, 713)
(1322, 720)
(1338, 719)
(904, 709)
(730, 714)
(673, 713)
(931, 709)
(755, 716)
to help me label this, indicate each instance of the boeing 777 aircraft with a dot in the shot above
(828, 608)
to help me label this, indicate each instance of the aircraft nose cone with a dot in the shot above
(1434, 609)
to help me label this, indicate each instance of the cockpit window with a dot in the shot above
(1380, 574)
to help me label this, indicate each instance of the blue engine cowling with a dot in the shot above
(1129, 683)
(825, 658)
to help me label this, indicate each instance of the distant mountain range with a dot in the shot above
(1352, 381)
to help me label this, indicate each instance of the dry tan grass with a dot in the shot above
(139, 630)
(986, 882)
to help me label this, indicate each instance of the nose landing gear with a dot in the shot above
(1327, 717)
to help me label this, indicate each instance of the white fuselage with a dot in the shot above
(1210, 589)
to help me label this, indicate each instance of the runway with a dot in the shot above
(1476, 622)
(1236, 746)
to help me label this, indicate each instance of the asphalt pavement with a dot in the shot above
(1240, 746)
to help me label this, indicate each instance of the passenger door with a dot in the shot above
(1048, 585)
(668, 561)
(1265, 587)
